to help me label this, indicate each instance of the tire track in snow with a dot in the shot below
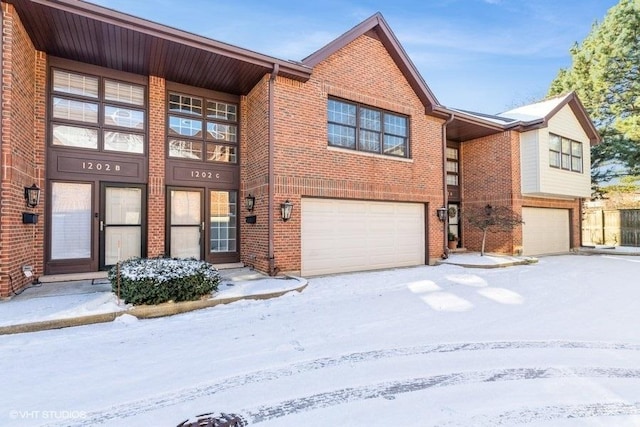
(133, 408)
(549, 413)
(388, 390)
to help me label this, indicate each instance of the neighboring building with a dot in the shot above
(540, 167)
(147, 141)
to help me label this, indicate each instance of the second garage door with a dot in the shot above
(545, 231)
(347, 235)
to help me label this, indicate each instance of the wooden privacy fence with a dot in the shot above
(611, 227)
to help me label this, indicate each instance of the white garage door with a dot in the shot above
(545, 231)
(346, 235)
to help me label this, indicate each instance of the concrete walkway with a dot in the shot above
(82, 302)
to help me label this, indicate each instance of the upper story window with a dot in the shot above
(97, 113)
(565, 153)
(452, 166)
(202, 129)
(364, 128)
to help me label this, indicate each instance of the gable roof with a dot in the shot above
(468, 125)
(546, 109)
(378, 24)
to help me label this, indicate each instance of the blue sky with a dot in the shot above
(481, 55)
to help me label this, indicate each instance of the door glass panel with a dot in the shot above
(70, 221)
(122, 224)
(454, 219)
(185, 242)
(121, 243)
(223, 221)
(185, 224)
(185, 208)
(123, 205)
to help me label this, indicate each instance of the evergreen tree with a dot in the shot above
(605, 73)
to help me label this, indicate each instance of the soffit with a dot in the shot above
(95, 35)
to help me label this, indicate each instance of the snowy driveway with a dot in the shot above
(550, 344)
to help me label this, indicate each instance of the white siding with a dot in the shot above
(554, 182)
(530, 161)
(349, 235)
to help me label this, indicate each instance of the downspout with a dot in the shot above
(271, 184)
(445, 192)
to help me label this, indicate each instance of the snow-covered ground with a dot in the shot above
(555, 343)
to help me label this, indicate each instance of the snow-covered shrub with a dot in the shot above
(157, 280)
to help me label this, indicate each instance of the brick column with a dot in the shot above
(156, 191)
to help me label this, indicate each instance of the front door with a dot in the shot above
(203, 224)
(121, 226)
(185, 223)
(95, 225)
(453, 213)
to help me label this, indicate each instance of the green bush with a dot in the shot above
(158, 280)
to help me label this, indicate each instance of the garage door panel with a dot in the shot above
(545, 231)
(346, 235)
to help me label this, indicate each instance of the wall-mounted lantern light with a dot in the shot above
(249, 202)
(285, 210)
(488, 210)
(32, 195)
(442, 213)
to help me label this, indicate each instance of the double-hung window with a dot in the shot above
(565, 153)
(202, 129)
(363, 128)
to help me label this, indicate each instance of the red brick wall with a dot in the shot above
(361, 72)
(490, 169)
(156, 187)
(254, 171)
(490, 174)
(23, 128)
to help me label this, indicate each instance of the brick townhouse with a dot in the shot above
(144, 140)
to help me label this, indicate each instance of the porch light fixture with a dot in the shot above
(32, 195)
(249, 202)
(488, 210)
(442, 213)
(285, 210)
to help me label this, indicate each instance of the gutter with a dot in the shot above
(445, 192)
(271, 184)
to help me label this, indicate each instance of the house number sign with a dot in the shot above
(181, 173)
(205, 174)
(97, 167)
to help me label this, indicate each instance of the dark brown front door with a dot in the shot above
(121, 227)
(203, 224)
(185, 223)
